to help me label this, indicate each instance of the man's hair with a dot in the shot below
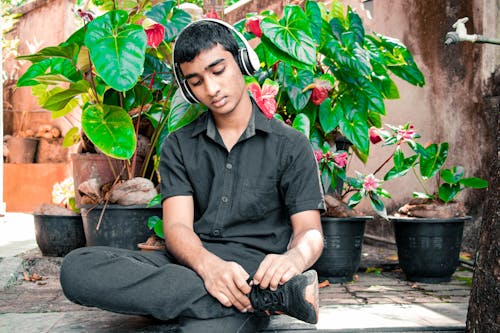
(201, 36)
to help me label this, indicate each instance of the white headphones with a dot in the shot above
(247, 59)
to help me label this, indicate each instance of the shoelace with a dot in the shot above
(270, 300)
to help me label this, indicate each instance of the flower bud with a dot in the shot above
(253, 25)
(374, 137)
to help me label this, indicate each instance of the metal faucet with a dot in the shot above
(460, 35)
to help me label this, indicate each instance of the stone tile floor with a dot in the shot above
(378, 300)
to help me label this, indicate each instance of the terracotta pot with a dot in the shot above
(22, 150)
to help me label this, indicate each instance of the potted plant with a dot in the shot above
(58, 225)
(116, 70)
(428, 230)
(323, 74)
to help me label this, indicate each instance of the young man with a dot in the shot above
(241, 210)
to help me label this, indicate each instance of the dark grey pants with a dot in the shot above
(145, 283)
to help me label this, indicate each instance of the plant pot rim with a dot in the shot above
(117, 206)
(409, 219)
(351, 218)
(69, 215)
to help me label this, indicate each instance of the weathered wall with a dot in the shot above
(454, 105)
(43, 23)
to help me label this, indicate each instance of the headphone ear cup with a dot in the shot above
(245, 63)
(187, 93)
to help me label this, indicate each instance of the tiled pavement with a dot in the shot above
(378, 300)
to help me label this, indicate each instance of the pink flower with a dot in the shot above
(370, 183)
(253, 25)
(265, 97)
(374, 137)
(341, 159)
(318, 154)
(86, 15)
(154, 31)
(407, 134)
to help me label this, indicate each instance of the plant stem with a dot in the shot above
(384, 163)
(420, 181)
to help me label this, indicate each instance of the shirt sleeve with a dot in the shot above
(174, 179)
(300, 181)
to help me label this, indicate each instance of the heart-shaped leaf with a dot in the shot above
(117, 49)
(110, 129)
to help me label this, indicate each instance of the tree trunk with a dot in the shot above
(484, 303)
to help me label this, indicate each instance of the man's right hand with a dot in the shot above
(227, 282)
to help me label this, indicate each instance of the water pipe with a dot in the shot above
(460, 35)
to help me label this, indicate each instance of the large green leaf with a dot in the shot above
(117, 49)
(59, 100)
(162, 73)
(110, 129)
(356, 26)
(47, 67)
(329, 116)
(313, 12)
(302, 124)
(172, 18)
(271, 54)
(356, 131)
(295, 81)
(63, 51)
(473, 182)
(291, 35)
(447, 191)
(182, 113)
(432, 159)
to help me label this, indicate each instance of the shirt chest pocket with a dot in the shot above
(259, 197)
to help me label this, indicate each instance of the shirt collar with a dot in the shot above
(258, 121)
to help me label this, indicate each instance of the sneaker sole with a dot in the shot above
(312, 294)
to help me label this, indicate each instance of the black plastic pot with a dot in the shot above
(428, 248)
(341, 255)
(121, 226)
(57, 235)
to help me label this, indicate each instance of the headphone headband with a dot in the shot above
(248, 60)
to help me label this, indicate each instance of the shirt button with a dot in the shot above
(225, 199)
(229, 166)
(216, 232)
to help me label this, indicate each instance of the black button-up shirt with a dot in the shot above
(244, 196)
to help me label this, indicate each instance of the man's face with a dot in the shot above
(215, 79)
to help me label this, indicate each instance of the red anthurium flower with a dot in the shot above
(154, 31)
(374, 137)
(321, 88)
(253, 25)
(265, 97)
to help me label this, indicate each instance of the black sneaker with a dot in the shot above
(298, 298)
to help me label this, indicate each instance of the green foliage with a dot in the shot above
(427, 163)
